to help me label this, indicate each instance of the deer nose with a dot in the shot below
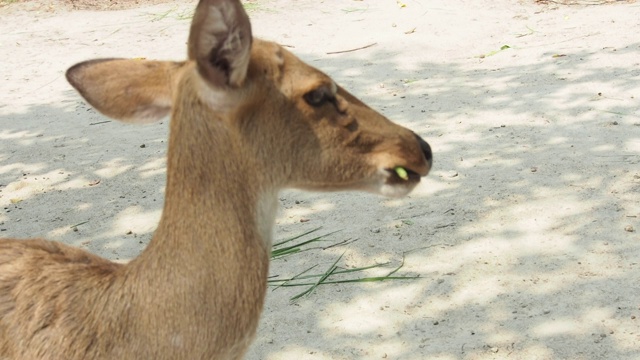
(426, 151)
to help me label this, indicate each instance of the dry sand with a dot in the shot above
(525, 236)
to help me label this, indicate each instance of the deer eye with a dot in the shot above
(318, 97)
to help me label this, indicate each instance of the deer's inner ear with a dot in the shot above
(220, 42)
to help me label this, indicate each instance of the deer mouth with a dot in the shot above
(402, 176)
(393, 184)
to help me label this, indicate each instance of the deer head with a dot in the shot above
(298, 126)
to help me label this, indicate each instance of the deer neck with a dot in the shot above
(214, 236)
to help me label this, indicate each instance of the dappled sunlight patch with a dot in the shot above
(558, 140)
(543, 215)
(452, 143)
(113, 244)
(480, 291)
(497, 334)
(84, 206)
(432, 185)
(354, 259)
(120, 241)
(153, 168)
(633, 145)
(580, 180)
(497, 161)
(588, 323)
(524, 263)
(22, 167)
(354, 322)
(395, 202)
(392, 347)
(299, 213)
(352, 72)
(374, 313)
(482, 251)
(29, 138)
(134, 219)
(113, 168)
(30, 185)
(604, 148)
(23, 137)
(75, 183)
(59, 232)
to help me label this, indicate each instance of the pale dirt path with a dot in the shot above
(522, 223)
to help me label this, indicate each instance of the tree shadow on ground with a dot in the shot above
(53, 177)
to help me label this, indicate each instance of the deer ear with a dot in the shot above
(220, 42)
(129, 90)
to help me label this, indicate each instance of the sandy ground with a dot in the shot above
(525, 236)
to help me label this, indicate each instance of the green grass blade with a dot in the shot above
(337, 272)
(287, 281)
(398, 268)
(359, 280)
(296, 237)
(312, 281)
(279, 251)
(320, 280)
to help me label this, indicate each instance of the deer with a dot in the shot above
(247, 120)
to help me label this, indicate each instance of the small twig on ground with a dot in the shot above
(76, 225)
(350, 50)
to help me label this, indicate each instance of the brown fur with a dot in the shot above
(242, 128)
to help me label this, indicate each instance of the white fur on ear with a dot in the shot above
(220, 42)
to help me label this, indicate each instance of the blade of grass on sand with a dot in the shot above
(350, 281)
(280, 243)
(279, 251)
(323, 278)
(337, 272)
(346, 271)
(365, 279)
(284, 282)
(328, 273)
